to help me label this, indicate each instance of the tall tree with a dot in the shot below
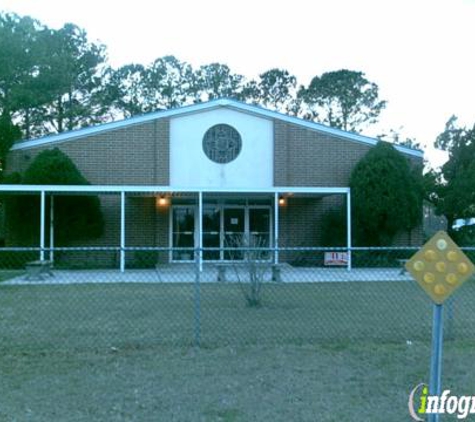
(453, 186)
(9, 133)
(276, 89)
(19, 73)
(48, 78)
(73, 74)
(124, 91)
(19, 56)
(386, 196)
(216, 80)
(396, 138)
(343, 99)
(167, 84)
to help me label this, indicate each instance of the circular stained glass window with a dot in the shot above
(222, 143)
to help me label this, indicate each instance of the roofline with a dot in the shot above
(195, 108)
(98, 189)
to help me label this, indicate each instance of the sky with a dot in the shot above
(419, 52)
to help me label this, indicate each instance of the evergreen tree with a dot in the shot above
(76, 217)
(386, 196)
(344, 99)
(452, 188)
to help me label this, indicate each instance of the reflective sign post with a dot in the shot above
(439, 267)
(435, 381)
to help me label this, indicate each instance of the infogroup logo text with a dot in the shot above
(421, 404)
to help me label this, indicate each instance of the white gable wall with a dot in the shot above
(190, 167)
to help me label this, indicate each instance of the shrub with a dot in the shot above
(143, 260)
(334, 228)
(76, 217)
(386, 196)
(464, 236)
(13, 260)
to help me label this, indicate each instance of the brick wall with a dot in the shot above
(301, 220)
(139, 155)
(304, 157)
(136, 155)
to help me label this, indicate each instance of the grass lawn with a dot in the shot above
(322, 351)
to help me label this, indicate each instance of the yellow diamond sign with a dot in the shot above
(440, 267)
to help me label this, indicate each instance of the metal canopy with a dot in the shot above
(197, 192)
(116, 189)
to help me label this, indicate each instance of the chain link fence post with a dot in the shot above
(197, 299)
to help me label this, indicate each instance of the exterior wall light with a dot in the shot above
(162, 201)
(282, 201)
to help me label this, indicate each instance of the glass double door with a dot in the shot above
(231, 227)
(225, 227)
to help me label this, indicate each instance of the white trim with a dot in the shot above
(42, 225)
(248, 108)
(276, 227)
(51, 228)
(348, 228)
(200, 230)
(106, 127)
(170, 230)
(122, 231)
(97, 189)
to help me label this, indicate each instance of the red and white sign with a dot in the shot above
(336, 258)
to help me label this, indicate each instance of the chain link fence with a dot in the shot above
(78, 298)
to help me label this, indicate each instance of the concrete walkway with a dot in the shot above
(186, 273)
